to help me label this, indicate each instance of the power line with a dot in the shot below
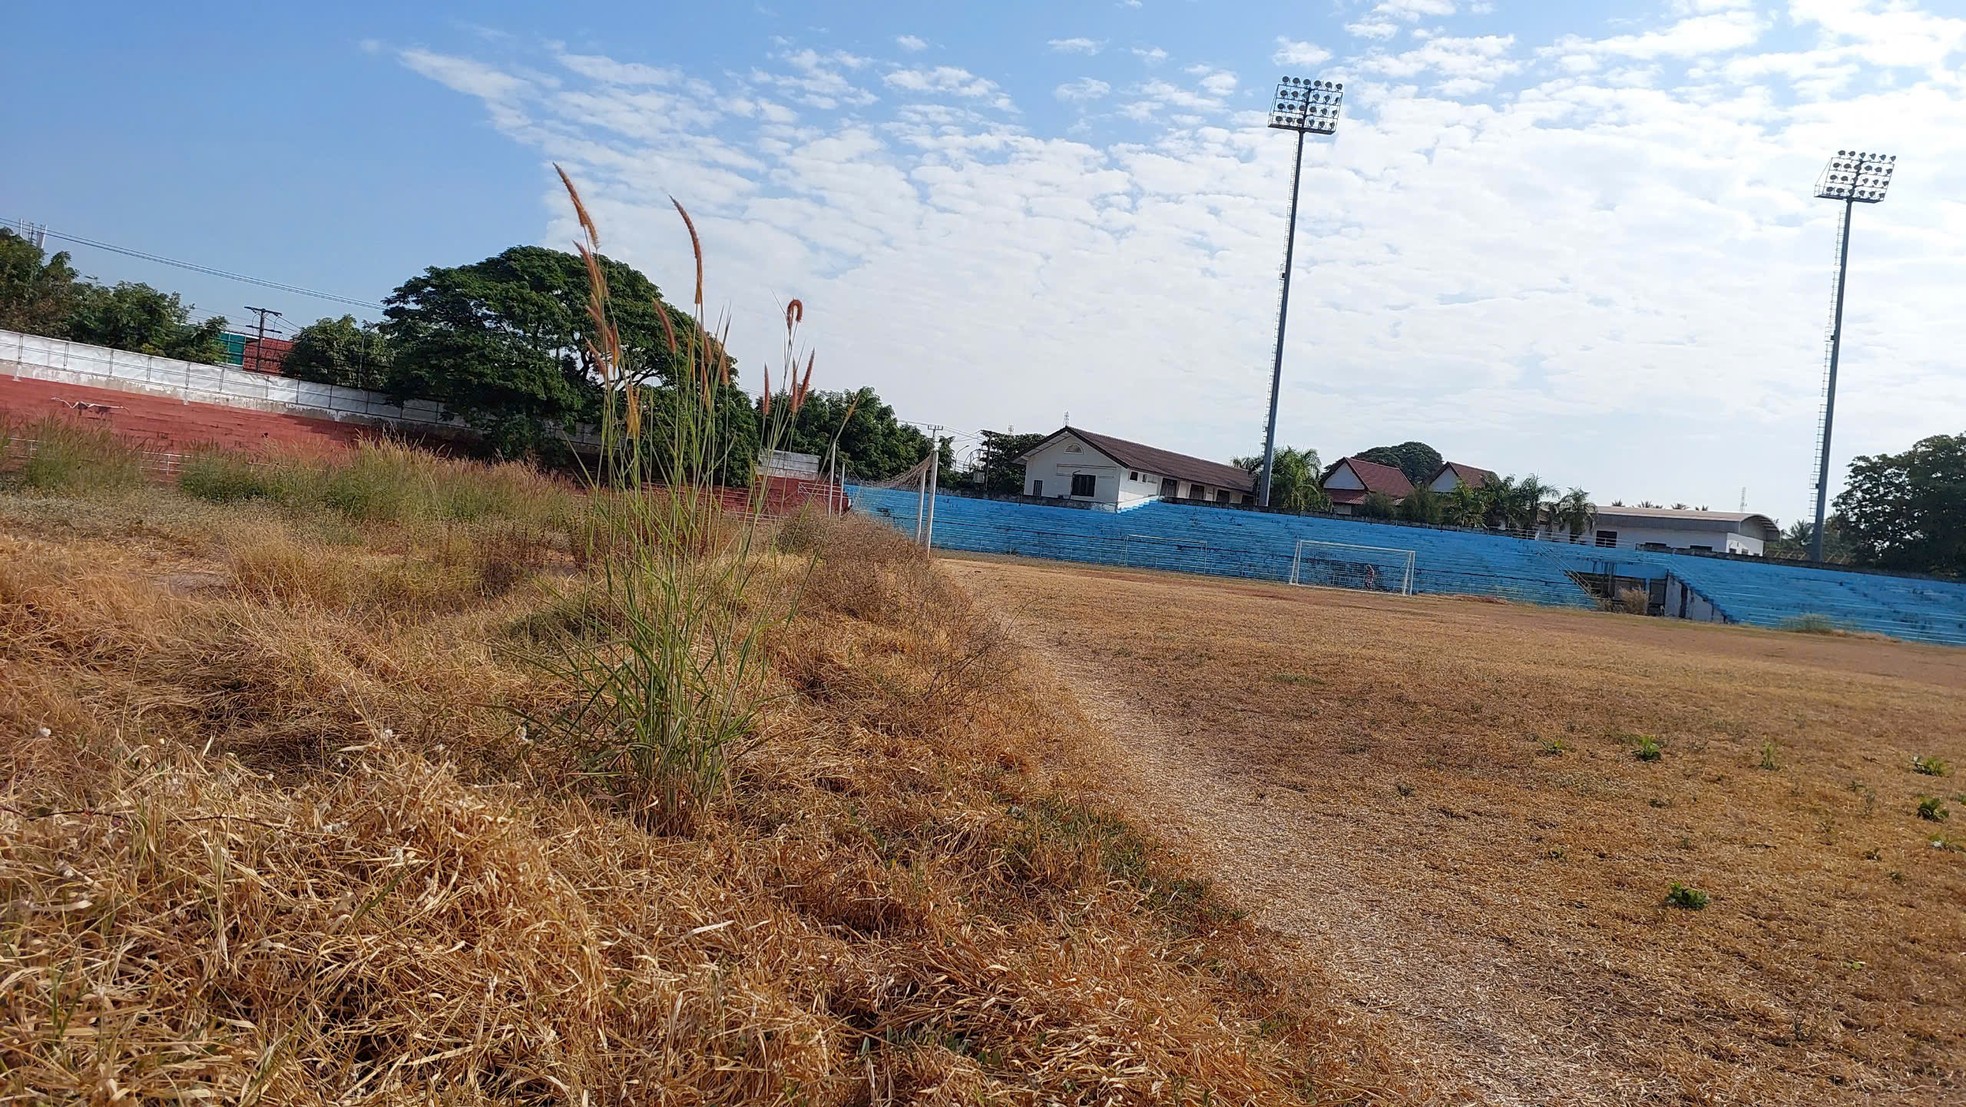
(193, 266)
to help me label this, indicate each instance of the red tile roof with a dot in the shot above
(1468, 474)
(1374, 476)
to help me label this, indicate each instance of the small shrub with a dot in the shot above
(1929, 766)
(1632, 601)
(64, 458)
(1810, 623)
(801, 533)
(1551, 747)
(1647, 748)
(223, 478)
(1690, 899)
(1933, 808)
(1768, 761)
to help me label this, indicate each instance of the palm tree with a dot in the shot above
(1574, 512)
(1527, 507)
(1498, 502)
(1466, 506)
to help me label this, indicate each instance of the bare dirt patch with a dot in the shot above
(1442, 804)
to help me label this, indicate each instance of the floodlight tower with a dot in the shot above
(1307, 107)
(1854, 177)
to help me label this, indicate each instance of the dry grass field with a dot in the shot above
(1472, 814)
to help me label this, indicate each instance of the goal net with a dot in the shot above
(1341, 565)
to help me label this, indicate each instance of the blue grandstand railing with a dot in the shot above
(1262, 545)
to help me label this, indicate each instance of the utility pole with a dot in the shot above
(1307, 107)
(260, 341)
(1854, 177)
(934, 474)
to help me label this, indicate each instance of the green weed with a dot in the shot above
(1690, 899)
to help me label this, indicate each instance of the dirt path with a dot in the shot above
(1552, 1011)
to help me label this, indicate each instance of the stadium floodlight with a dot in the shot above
(1306, 107)
(1854, 177)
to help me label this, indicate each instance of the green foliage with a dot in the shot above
(137, 317)
(1574, 514)
(1689, 899)
(1294, 477)
(37, 293)
(338, 351)
(1933, 808)
(1908, 510)
(1794, 542)
(507, 345)
(380, 482)
(1646, 748)
(1551, 747)
(67, 459)
(1768, 762)
(872, 443)
(1417, 460)
(1378, 505)
(1810, 622)
(997, 470)
(1422, 505)
(1929, 766)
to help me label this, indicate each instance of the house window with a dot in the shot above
(1085, 484)
(1221, 495)
(1133, 475)
(1607, 538)
(1037, 488)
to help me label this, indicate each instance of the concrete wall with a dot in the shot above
(26, 356)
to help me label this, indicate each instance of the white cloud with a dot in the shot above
(1085, 46)
(1300, 54)
(1700, 34)
(911, 43)
(1609, 272)
(1372, 28)
(1413, 10)
(1085, 88)
(1152, 55)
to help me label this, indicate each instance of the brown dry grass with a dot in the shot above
(269, 834)
(1441, 799)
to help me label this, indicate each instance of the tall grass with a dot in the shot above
(669, 698)
(381, 482)
(63, 457)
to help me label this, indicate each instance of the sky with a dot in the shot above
(1573, 239)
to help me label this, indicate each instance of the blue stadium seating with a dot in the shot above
(1227, 542)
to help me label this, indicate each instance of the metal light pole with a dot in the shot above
(1307, 107)
(1854, 177)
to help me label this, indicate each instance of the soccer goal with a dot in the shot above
(1340, 565)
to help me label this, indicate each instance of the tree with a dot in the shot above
(37, 293)
(1294, 475)
(1908, 510)
(1466, 506)
(1526, 512)
(873, 444)
(1793, 544)
(1573, 513)
(1377, 505)
(506, 344)
(137, 317)
(1417, 460)
(997, 470)
(338, 351)
(1422, 505)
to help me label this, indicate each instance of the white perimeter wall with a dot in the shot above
(54, 359)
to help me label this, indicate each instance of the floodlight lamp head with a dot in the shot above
(1858, 176)
(1307, 106)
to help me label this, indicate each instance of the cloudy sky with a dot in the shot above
(1573, 239)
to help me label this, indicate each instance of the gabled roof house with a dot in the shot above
(1112, 473)
(1350, 480)
(1453, 474)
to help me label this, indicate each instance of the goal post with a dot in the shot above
(1343, 565)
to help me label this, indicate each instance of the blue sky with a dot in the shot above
(1574, 239)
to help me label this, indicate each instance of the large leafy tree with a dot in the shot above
(997, 471)
(338, 351)
(37, 292)
(1794, 542)
(872, 443)
(137, 317)
(1294, 477)
(1417, 460)
(1908, 510)
(506, 344)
